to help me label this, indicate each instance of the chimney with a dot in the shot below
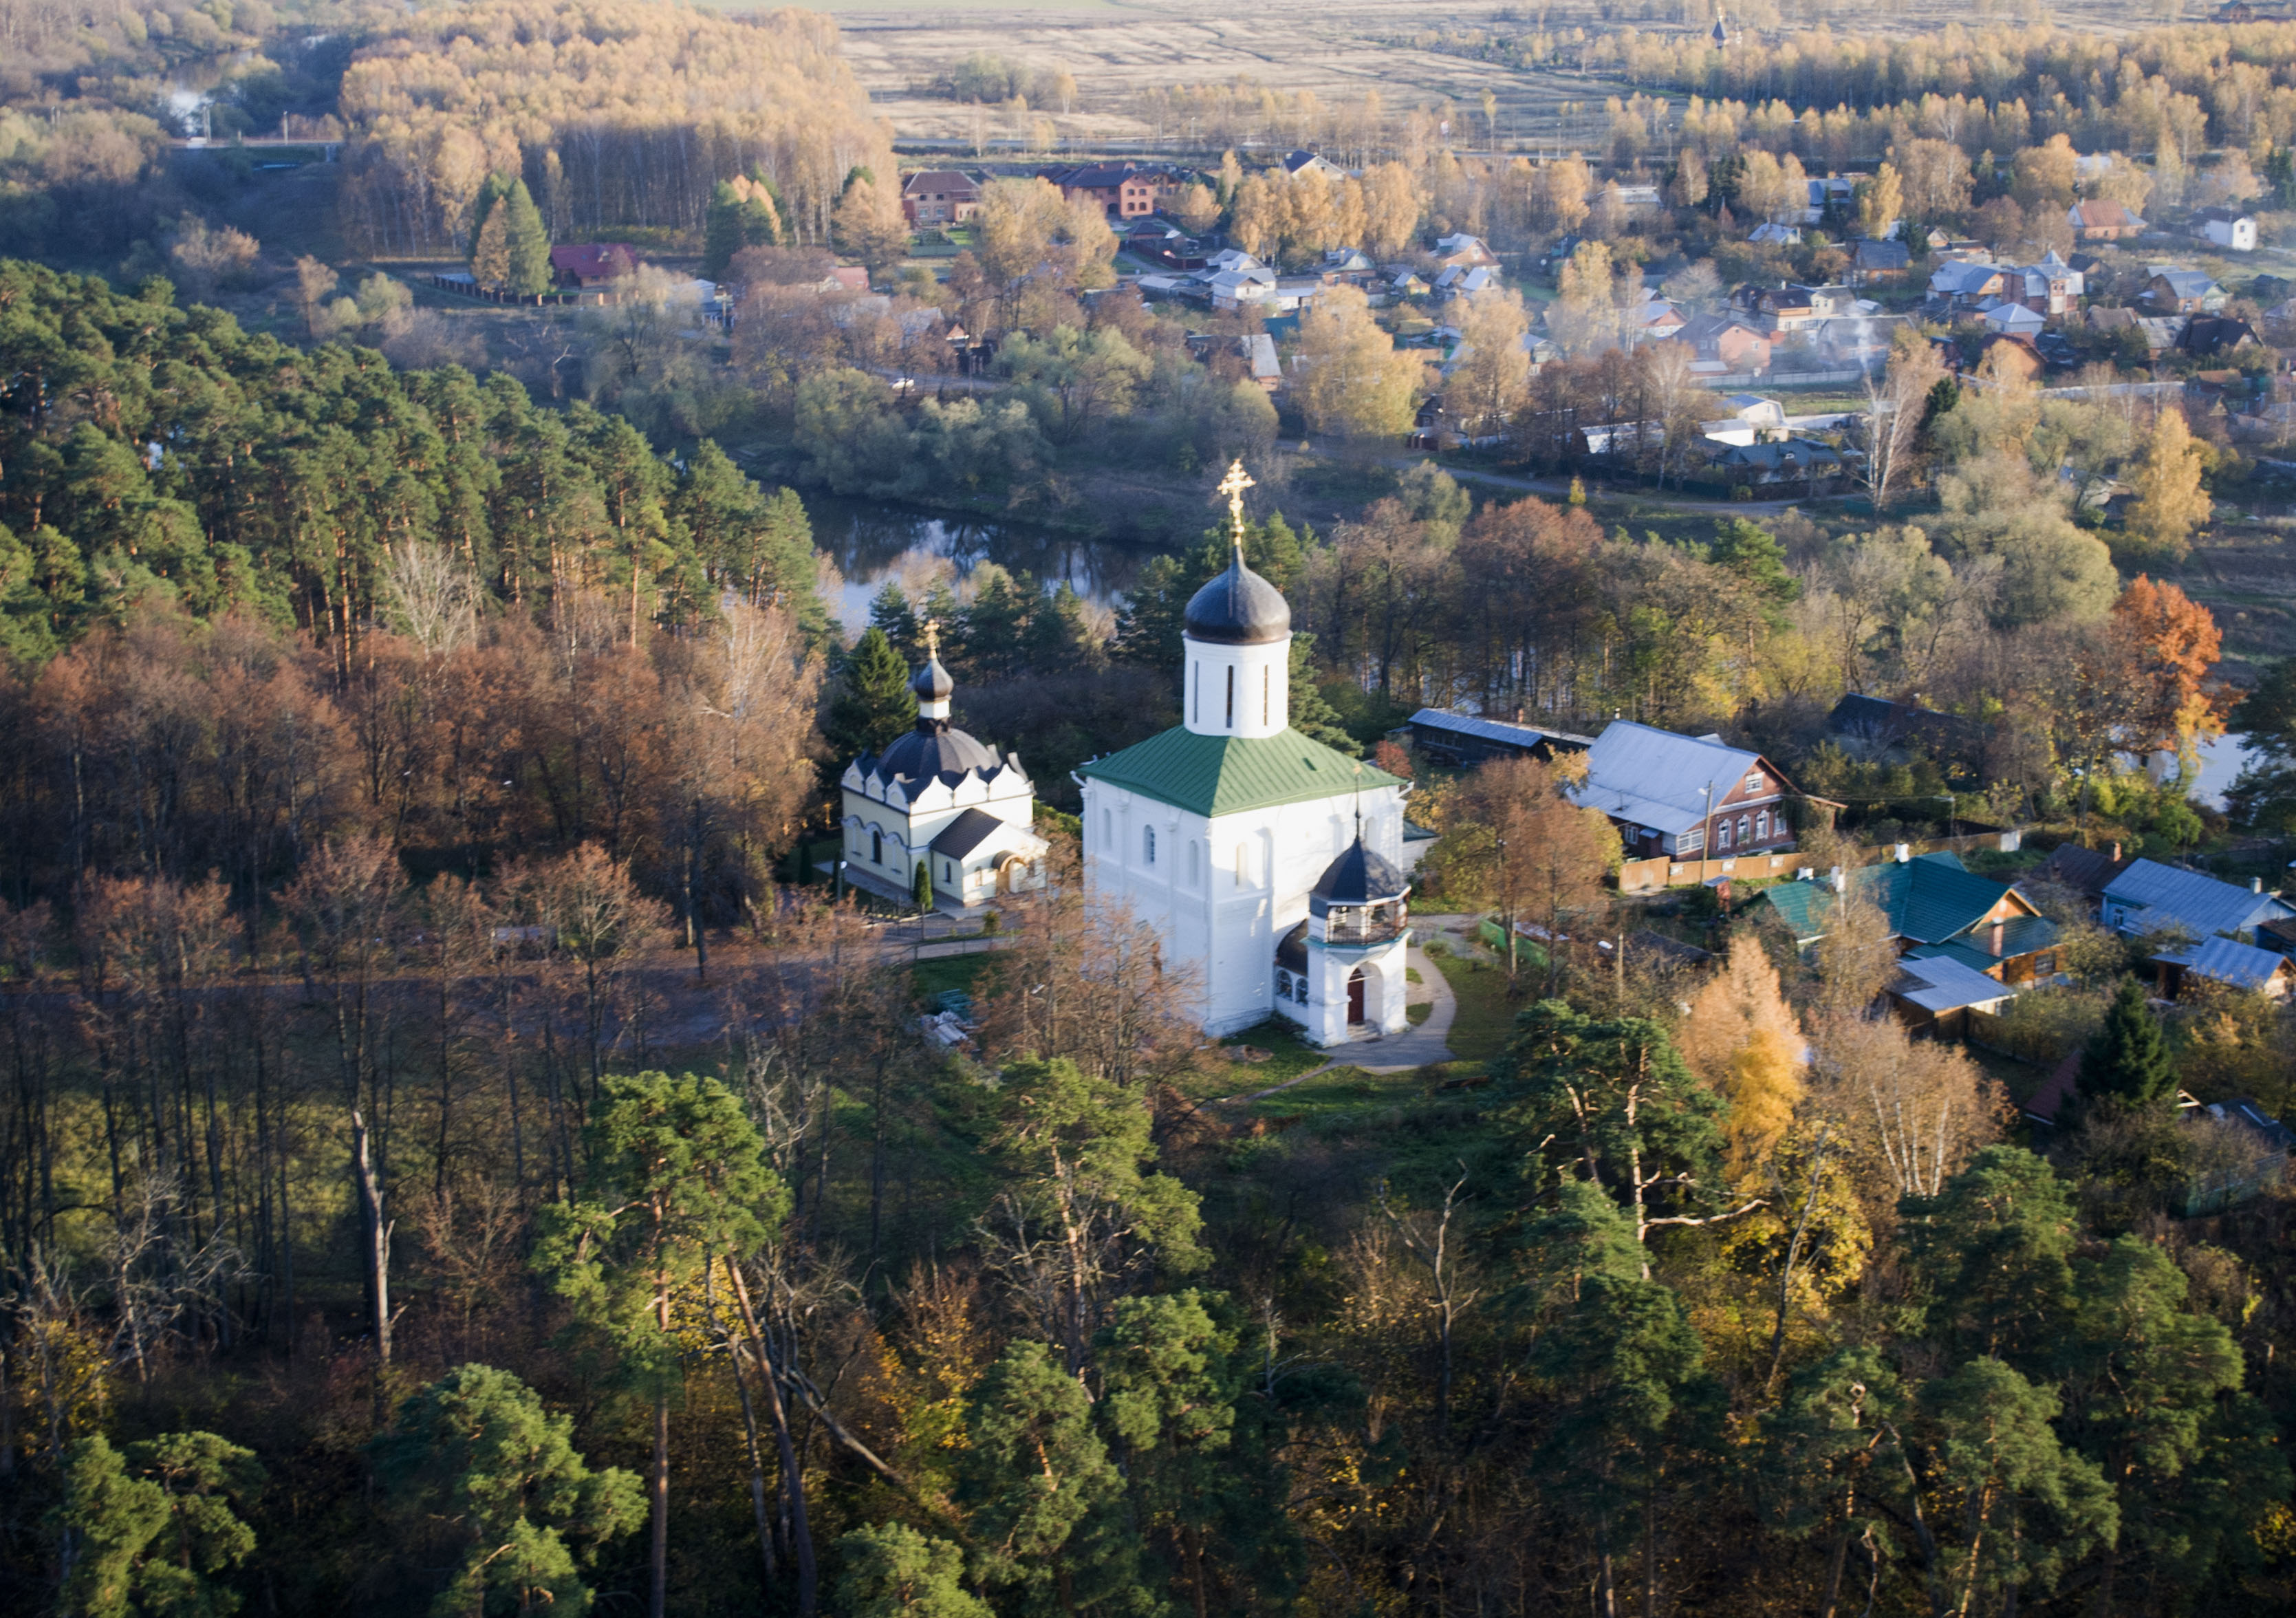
(1904, 851)
(1993, 946)
(2115, 853)
(1839, 878)
(2255, 884)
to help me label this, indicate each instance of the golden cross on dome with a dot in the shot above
(1232, 485)
(932, 627)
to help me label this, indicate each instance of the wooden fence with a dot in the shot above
(1651, 875)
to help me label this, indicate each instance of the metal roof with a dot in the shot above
(2228, 961)
(1940, 984)
(2201, 905)
(1212, 775)
(1494, 730)
(1654, 777)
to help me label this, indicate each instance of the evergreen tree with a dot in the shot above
(1610, 1102)
(1044, 1501)
(1311, 713)
(892, 616)
(1992, 1252)
(920, 885)
(892, 1571)
(2127, 1061)
(676, 1180)
(528, 242)
(476, 1450)
(1754, 554)
(721, 230)
(152, 1529)
(873, 703)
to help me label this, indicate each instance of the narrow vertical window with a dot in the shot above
(1198, 667)
(1231, 696)
(1267, 692)
(1107, 830)
(1241, 870)
(1148, 845)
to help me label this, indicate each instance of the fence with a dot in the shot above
(1651, 875)
(466, 289)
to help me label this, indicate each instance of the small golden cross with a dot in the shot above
(932, 627)
(1232, 485)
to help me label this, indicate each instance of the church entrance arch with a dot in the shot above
(1356, 996)
(1011, 875)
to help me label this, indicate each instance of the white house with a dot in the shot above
(2226, 227)
(1268, 864)
(939, 799)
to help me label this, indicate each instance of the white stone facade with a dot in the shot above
(887, 833)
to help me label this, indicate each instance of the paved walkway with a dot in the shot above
(1400, 1053)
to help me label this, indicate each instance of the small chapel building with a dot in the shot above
(1270, 863)
(939, 799)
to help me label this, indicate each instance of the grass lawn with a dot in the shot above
(1418, 1013)
(947, 972)
(1288, 1055)
(1332, 1097)
(1485, 1020)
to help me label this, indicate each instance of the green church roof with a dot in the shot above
(1213, 776)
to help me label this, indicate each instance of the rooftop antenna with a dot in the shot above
(1232, 485)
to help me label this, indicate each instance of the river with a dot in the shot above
(873, 542)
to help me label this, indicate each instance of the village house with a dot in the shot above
(1769, 233)
(1965, 286)
(1464, 251)
(2226, 227)
(2102, 219)
(1679, 796)
(1935, 996)
(1309, 162)
(2149, 897)
(1936, 908)
(1724, 342)
(2207, 336)
(1788, 461)
(592, 263)
(1124, 191)
(932, 198)
(1870, 261)
(2183, 292)
(2001, 315)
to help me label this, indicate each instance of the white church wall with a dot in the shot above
(1237, 691)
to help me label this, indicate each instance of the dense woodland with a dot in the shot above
(458, 1155)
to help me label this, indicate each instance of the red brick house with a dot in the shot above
(933, 197)
(1729, 341)
(1125, 190)
(2102, 220)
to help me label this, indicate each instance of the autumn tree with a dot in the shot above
(1741, 1037)
(2171, 643)
(2170, 502)
(1355, 382)
(869, 226)
(1517, 844)
(1881, 203)
(1492, 376)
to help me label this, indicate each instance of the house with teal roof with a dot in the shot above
(1936, 908)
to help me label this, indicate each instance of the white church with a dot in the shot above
(1271, 863)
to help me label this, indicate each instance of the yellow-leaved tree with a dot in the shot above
(2171, 502)
(1744, 1039)
(1354, 381)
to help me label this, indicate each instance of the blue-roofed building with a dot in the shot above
(1461, 740)
(2225, 961)
(2149, 897)
(1675, 795)
(1936, 909)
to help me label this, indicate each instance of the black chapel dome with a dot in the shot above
(1358, 877)
(1239, 609)
(922, 754)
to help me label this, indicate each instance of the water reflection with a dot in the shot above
(873, 542)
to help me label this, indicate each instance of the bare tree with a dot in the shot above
(1426, 1236)
(1894, 407)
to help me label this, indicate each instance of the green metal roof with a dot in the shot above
(1976, 960)
(1212, 775)
(1928, 900)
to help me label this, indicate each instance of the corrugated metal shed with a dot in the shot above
(1940, 984)
(2228, 961)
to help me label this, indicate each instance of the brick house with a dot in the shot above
(592, 263)
(1124, 191)
(1728, 340)
(933, 197)
(2101, 219)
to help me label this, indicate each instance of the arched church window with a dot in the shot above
(1148, 845)
(1283, 984)
(1267, 692)
(876, 847)
(1299, 989)
(1107, 830)
(1196, 678)
(1231, 696)
(1195, 859)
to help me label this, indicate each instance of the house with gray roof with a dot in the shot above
(1461, 739)
(2149, 897)
(2225, 961)
(1677, 795)
(2183, 292)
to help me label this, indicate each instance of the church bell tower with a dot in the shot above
(1238, 644)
